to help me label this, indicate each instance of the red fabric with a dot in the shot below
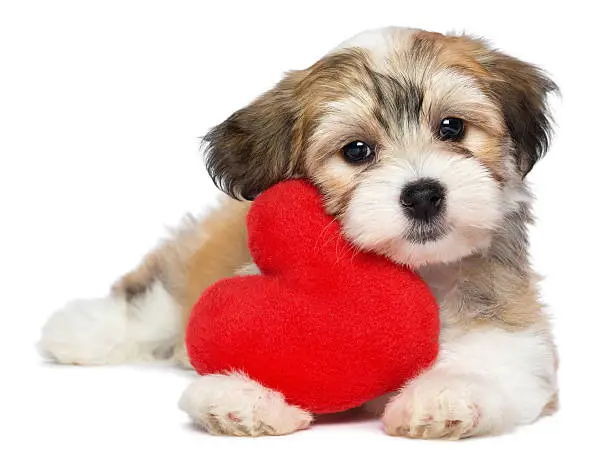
(329, 327)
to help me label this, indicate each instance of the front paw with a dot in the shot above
(440, 406)
(235, 405)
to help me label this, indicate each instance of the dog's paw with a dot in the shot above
(440, 406)
(235, 405)
(86, 332)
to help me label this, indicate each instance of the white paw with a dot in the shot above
(437, 405)
(87, 332)
(236, 405)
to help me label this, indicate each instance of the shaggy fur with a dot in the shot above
(389, 89)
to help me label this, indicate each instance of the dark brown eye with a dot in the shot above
(451, 128)
(358, 152)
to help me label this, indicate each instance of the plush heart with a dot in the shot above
(325, 324)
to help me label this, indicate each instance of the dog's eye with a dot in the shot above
(451, 128)
(357, 152)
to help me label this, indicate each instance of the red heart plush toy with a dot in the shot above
(328, 326)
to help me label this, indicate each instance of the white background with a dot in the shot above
(101, 107)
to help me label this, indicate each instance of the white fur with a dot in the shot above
(375, 221)
(111, 330)
(248, 269)
(484, 382)
(233, 404)
(381, 43)
(378, 41)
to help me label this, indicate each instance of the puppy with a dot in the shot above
(419, 143)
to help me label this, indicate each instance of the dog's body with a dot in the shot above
(419, 143)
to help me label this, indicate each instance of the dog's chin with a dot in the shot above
(424, 233)
(422, 244)
(430, 245)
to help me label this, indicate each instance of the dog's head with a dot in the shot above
(418, 141)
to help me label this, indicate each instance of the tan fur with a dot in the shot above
(222, 254)
(138, 280)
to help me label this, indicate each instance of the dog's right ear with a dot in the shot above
(259, 145)
(522, 91)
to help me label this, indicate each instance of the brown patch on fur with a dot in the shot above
(487, 151)
(520, 308)
(137, 281)
(490, 153)
(221, 253)
(458, 52)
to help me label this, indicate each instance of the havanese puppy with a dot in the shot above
(420, 144)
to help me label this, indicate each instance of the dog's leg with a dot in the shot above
(113, 329)
(485, 381)
(144, 317)
(235, 405)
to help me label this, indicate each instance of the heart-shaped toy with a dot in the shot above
(325, 324)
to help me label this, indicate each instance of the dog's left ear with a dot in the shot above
(522, 91)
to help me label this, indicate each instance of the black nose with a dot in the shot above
(423, 199)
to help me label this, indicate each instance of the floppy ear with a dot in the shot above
(257, 146)
(522, 90)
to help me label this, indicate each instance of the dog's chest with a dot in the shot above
(441, 279)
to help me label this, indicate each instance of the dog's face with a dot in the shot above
(419, 142)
